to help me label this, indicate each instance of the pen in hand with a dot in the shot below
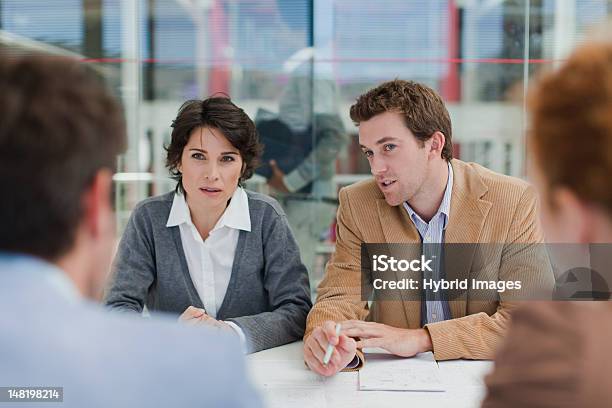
(330, 347)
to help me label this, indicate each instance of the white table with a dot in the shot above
(284, 381)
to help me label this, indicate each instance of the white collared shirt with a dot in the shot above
(210, 261)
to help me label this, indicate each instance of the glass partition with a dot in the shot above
(296, 66)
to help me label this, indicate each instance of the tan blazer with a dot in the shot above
(486, 207)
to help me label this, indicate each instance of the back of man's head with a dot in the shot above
(59, 128)
(572, 125)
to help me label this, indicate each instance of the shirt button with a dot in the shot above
(434, 316)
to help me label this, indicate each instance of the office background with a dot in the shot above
(300, 58)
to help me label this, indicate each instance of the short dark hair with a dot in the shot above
(218, 113)
(422, 108)
(58, 128)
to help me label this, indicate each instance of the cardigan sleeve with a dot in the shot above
(134, 266)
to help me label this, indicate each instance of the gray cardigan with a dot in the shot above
(268, 295)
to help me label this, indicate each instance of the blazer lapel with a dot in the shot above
(396, 224)
(466, 219)
(398, 228)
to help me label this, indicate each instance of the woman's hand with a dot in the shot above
(194, 316)
(191, 315)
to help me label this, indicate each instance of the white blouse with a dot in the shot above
(210, 261)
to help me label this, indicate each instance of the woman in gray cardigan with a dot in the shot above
(212, 252)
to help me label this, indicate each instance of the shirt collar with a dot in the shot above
(179, 213)
(444, 208)
(236, 215)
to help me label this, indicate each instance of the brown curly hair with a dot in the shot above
(423, 110)
(219, 113)
(571, 133)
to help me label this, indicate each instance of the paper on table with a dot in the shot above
(385, 372)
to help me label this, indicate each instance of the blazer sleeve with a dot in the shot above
(339, 293)
(134, 266)
(478, 336)
(288, 287)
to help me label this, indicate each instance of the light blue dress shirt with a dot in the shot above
(435, 308)
(52, 336)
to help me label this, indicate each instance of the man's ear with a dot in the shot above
(436, 144)
(97, 203)
(576, 215)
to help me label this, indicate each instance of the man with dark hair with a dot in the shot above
(421, 196)
(60, 134)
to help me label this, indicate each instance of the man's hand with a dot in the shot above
(276, 181)
(316, 345)
(194, 316)
(401, 342)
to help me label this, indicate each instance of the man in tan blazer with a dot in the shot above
(557, 354)
(420, 194)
